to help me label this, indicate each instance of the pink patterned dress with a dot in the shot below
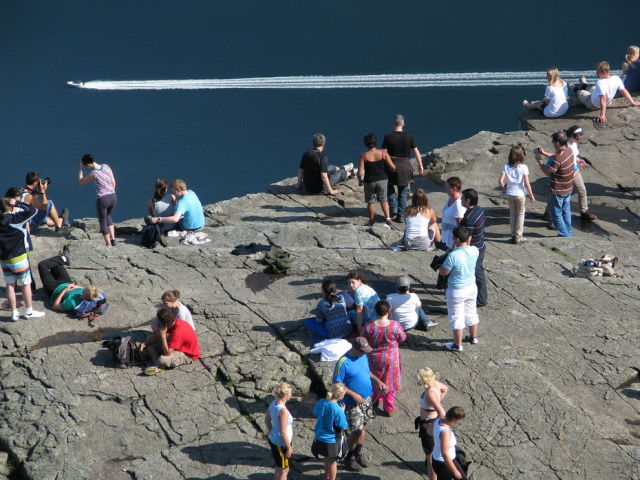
(384, 361)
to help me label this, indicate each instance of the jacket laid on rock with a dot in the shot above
(14, 238)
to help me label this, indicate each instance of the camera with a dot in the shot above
(537, 150)
(43, 181)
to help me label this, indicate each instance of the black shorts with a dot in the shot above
(425, 438)
(278, 456)
(332, 451)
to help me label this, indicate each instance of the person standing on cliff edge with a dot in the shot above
(315, 172)
(399, 145)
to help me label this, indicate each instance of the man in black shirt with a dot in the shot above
(399, 145)
(474, 220)
(316, 173)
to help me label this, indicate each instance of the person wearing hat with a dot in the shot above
(353, 371)
(406, 307)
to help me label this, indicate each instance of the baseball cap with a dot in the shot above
(360, 343)
(403, 281)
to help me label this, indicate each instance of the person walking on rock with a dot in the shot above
(514, 181)
(561, 173)
(279, 422)
(106, 201)
(352, 369)
(385, 362)
(430, 410)
(474, 220)
(328, 441)
(462, 290)
(444, 449)
(372, 172)
(400, 144)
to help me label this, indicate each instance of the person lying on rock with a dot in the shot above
(64, 294)
(174, 345)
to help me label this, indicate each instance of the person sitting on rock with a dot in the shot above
(600, 96)
(406, 307)
(35, 193)
(421, 230)
(174, 345)
(631, 69)
(170, 300)
(554, 104)
(15, 244)
(64, 294)
(316, 174)
(163, 203)
(335, 314)
(189, 214)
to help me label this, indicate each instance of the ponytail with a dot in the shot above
(337, 391)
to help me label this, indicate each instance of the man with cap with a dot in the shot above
(406, 307)
(353, 371)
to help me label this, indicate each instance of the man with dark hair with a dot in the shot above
(35, 193)
(474, 220)
(462, 291)
(399, 144)
(561, 173)
(353, 370)
(315, 172)
(175, 343)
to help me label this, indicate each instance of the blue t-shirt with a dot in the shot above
(632, 80)
(366, 297)
(462, 265)
(355, 374)
(190, 207)
(329, 414)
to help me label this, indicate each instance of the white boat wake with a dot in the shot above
(417, 80)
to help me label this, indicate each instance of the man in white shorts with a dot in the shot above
(601, 96)
(462, 290)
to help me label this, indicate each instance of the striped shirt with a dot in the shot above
(102, 179)
(474, 219)
(561, 172)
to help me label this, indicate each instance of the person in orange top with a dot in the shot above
(182, 346)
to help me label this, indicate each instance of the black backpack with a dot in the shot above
(151, 235)
(125, 351)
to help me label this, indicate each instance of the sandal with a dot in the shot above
(152, 370)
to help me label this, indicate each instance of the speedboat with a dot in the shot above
(76, 83)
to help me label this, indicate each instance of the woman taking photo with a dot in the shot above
(334, 313)
(331, 418)
(106, 201)
(279, 423)
(421, 227)
(453, 210)
(554, 104)
(430, 410)
(372, 165)
(383, 336)
(444, 449)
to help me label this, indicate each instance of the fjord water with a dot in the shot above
(228, 142)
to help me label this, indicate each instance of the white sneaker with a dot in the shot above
(452, 347)
(431, 324)
(34, 314)
(15, 316)
(348, 167)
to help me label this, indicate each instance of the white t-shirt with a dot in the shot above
(515, 179)
(558, 104)
(437, 446)
(607, 87)
(576, 152)
(403, 309)
(450, 214)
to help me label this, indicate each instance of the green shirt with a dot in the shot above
(70, 300)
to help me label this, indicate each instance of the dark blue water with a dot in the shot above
(226, 143)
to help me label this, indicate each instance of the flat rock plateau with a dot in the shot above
(550, 389)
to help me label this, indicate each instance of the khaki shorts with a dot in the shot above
(359, 415)
(176, 359)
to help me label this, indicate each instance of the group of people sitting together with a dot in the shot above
(559, 95)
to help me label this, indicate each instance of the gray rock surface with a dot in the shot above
(539, 388)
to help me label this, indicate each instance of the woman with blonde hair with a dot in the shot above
(279, 422)
(554, 104)
(331, 417)
(514, 181)
(430, 410)
(421, 226)
(631, 69)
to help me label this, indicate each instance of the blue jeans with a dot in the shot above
(397, 204)
(336, 176)
(40, 218)
(560, 210)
